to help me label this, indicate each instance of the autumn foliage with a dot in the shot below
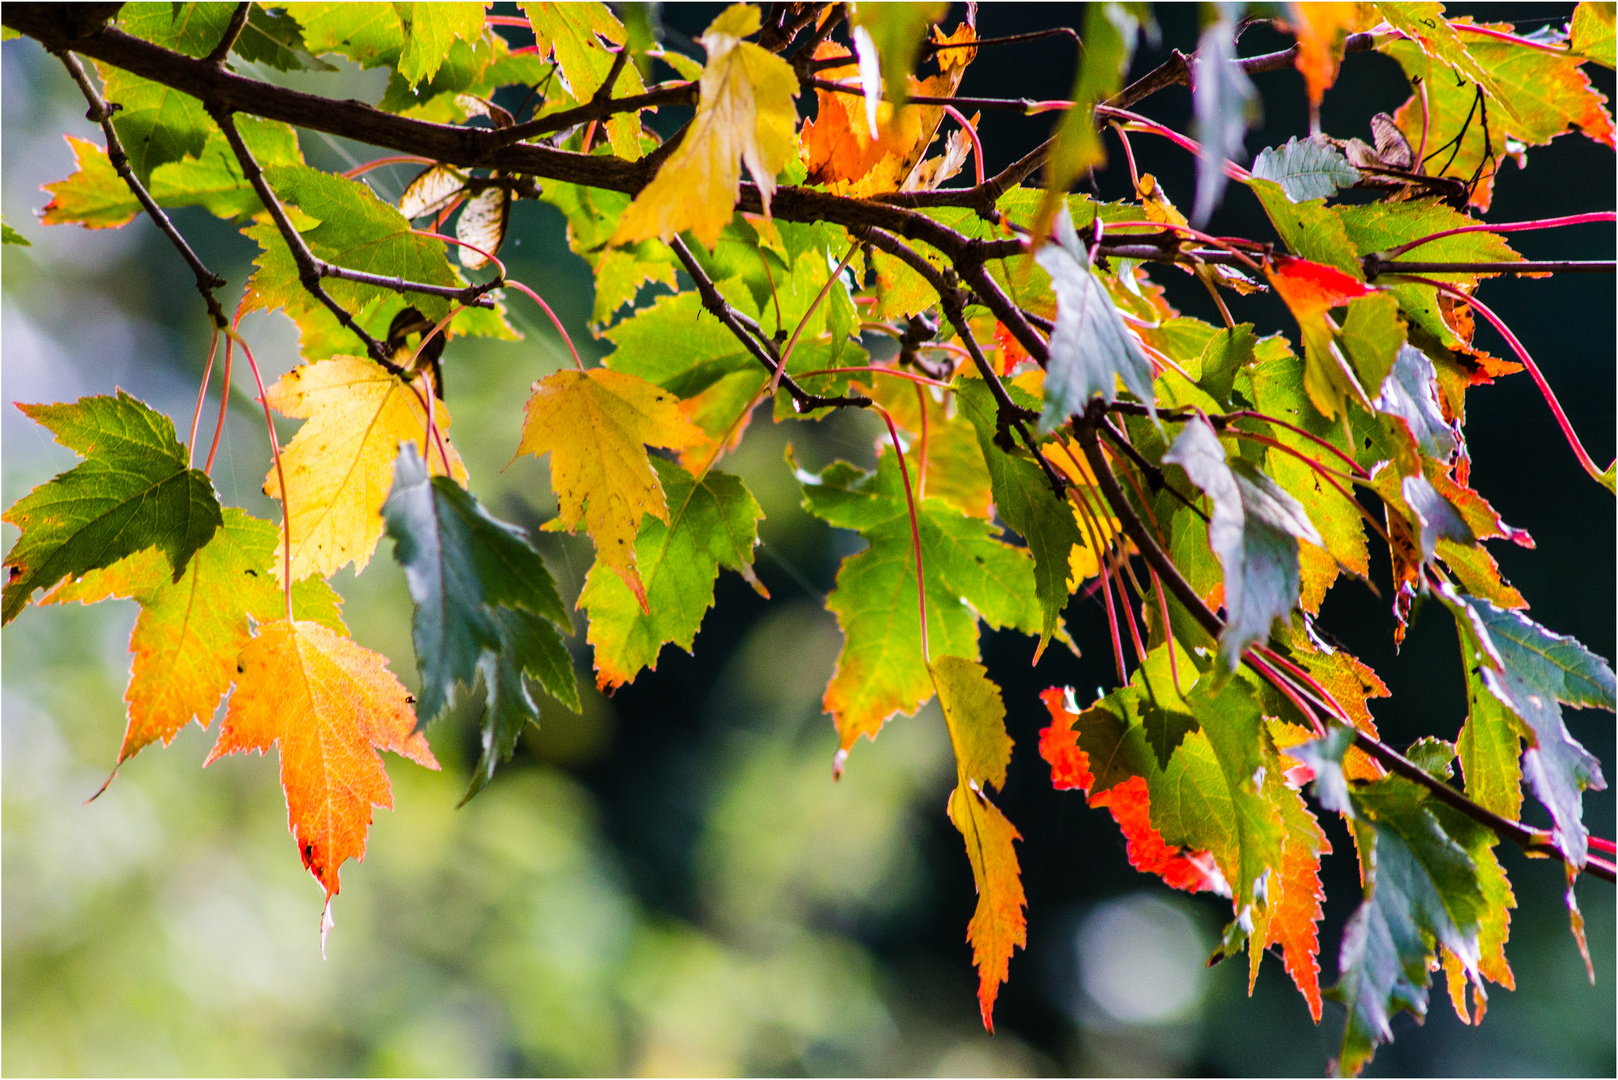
(821, 234)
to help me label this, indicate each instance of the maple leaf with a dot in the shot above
(573, 33)
(325, 702)
(1533, 96)
(1023, 497)
(712, 522)
(193, 29)
(1090, 349)
(428, 31)
(1254, 531)
(371, 36)
(1592, 32)
(1310, 291)
(1321, 29)
(596, 426)
(976, 716)
(274, 38)
(154, 123)
(459, 563)
(1291, 915)
(134, 490)
(1420, 886)
(352, 228)
(894, 32)
(881, 670)
(339, 466)
(96, 197)
(1518, 676)
(744, 114)
(955, 469)
(190, 631)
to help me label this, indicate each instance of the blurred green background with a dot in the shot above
(673, 883)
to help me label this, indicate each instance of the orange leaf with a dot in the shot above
(998, 925)
(326, 702)
(1011, 351)
(1321, 28)
(596, 426)
(1291, 917)
(1128, 802)
(1311, 290)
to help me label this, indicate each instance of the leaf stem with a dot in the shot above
(391, 159)
(225, 389)
(280, 474)
(202, 392)
(792, 342)
(915, 529)
(1533, 369)
(971, 133)
(1598, 216)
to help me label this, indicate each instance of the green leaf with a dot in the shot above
(1024, 499)
(1305, 170)
(531, 647)
(1410, 392)
(1165, 730)
(1420, 887)
(969, 571)
(8, 235)
(134, 490)
(430, 30)
(1531, 672)
(1308, 229)
(193, 29)
(573, 33)
(1593, 32)
(713, 523)
(1225, 353)
(155, 124)
(354, 229)
(1254, 531)
(1426, 28)
(371, 36)
(1090, 350)
(460, 564)
(1108, 37)
(1372, 336)
(274, 38)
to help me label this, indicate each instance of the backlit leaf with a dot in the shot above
(192, 29)
(190, 631)
(1224, 104)
(1090, 349)
(744, 114)
(1303, 168)
(155, 124)
(1593, 32)
(274, 38)
(326, 702)
(429, 30)
(1311, 290)
(711, 523)
(372, 36)
(1291, 916)
(896, 32)
(134, 490)
(1321, 29)
(1254, 531)
(596, 426)
(339, 466)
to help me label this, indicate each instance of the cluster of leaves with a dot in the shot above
(1055, 424)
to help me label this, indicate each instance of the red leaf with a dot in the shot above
(1311, 288)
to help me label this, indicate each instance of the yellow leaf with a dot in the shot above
(339, 467)
(596, 426)
(327, 702)
(998, 925)
(745, 113)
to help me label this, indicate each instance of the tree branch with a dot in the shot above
(207, 280)
(753, 337)
(238, 19)
(1177, 70)
(1086, 429)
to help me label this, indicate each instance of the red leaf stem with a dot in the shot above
(1508, 227)
(202, 392)
(280, 476)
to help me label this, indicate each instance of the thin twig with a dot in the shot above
(207, 280)
(233, 30)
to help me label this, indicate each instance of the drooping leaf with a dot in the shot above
(339, 466)
(1254, 531)
(1290, 917)
(1372, 336)
(134, 490)
(955, 470)
(483, 224)
(1305, 169)
(460, 563)
(1090, 349)
(712, 523)
(976, 716)
(881, 669)
(1310, 291)
(1531, 673)
(530, 649)
(1224, 104)
(1109, 35)
(1420, 887)
(744, 114)
(190, 631)
(1409, 392)
(1024, 499)
(1321, 29)
(326, 702)
(596, 426)
(428, 32)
